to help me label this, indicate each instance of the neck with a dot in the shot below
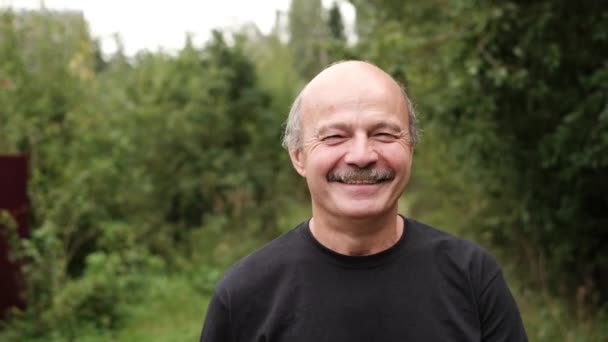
(357, 237)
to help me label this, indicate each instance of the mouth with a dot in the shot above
(362, 182)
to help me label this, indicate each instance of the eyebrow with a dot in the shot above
(338, 126)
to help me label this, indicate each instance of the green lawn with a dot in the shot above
(172, 310)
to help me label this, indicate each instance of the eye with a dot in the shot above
(385, 136)
(333, 139)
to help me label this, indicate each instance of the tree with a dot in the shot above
(307, 32)
(336, 26)
(534, 111)
(514, 97)
(129, 160)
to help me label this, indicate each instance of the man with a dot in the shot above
(357, 270)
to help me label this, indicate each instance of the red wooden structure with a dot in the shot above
(13, 199)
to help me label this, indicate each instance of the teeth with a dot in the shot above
(360, 182)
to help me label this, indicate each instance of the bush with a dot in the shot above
(128, 159)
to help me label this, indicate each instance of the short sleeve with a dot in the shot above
(499, 316)
(217, 322)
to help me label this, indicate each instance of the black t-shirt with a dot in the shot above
(429, 286)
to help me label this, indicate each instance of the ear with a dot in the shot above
(298, 160)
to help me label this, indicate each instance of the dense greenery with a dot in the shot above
(151, 173)
(519, 89)
(539, 80)
(128, 158)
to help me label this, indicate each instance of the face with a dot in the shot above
(356, 156)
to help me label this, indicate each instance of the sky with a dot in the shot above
(155, 24)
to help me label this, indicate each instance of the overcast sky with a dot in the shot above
(163, 24)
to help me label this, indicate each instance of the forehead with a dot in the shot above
(368, 96)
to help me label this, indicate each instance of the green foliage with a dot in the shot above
(150, 175)
(538, 80)
(513, 98)
(129, 159)
(307, 32)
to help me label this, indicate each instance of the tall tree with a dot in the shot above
(307, 32)
(127, 160)
(335, 23)
(535, 113)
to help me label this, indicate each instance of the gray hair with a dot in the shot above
(292, 137)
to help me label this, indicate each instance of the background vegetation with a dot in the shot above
(151, 174)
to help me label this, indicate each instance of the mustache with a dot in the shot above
(368, 175)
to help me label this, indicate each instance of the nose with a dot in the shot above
(361, 152)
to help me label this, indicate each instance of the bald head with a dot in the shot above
(342, 82)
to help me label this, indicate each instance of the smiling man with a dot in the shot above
(357, 270)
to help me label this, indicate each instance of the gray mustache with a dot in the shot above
(361, 175)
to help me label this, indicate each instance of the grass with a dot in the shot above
(172, 310)
(550, 318)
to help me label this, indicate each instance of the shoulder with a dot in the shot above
(265, 265)
(430, 238)
(454, 254)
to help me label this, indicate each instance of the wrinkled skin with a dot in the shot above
(356, 154)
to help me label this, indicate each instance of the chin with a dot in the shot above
(361, 210)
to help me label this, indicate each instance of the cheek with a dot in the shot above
(323, 160)
(396, 156)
